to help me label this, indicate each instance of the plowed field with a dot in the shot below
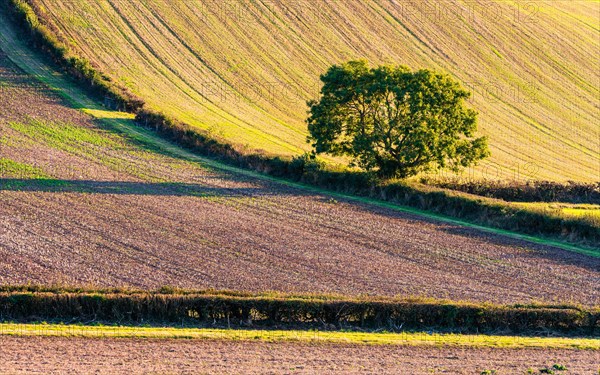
(82, 203)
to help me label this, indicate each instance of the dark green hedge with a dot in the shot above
(301, 168)
(528, 191)
(31, 20)
(266, 311)
(306, 170)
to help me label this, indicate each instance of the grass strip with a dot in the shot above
(573, 234)
(354, 338)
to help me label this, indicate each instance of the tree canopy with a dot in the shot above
(394, 121)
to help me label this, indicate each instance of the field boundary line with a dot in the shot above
(314, 336)
(15, 49)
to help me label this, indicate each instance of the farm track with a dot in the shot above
(116, 210)
(126, 356)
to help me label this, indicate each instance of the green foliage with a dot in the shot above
(40, 36)
(305, 168)
(170, 305)
(529, 191)
(393, 120)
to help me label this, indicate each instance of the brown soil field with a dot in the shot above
(121, 212)
(53, 355)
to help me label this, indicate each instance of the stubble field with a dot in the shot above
(243, 70)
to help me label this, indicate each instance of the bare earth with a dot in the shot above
(123, 223)
(52, 355)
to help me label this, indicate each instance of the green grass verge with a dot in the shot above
(326, 337)
(493, 216)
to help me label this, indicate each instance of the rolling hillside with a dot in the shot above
(89, 198)
(117, 243)
(242, 70)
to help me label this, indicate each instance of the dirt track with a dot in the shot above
(128, 356)
(135, 217)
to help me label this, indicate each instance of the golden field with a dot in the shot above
(242, 71)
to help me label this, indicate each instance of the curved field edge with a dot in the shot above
(227, 308)
(185, 58)
(482, 214)
(384, 252)
(326, 337)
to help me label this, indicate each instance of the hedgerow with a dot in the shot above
(280, 310)
(526, 191)
(487, 212)
(302, 168)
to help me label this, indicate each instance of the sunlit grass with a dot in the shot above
(108, 114)
(247, 96)
(12, 169)
(565, 209)
(63, 135)
(336, 337)
(578, 212)
(116, 151)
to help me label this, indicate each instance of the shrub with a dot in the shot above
(529, 191)
(204, 308)
(303, 168)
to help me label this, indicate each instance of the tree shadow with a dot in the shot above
(129, 188)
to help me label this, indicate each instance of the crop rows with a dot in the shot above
(242, 71)
(126, 356)
(117, 211)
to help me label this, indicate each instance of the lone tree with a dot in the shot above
(394, 121)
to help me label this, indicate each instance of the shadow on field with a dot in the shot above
(127, 188)
(531, 250)
(534, 251)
